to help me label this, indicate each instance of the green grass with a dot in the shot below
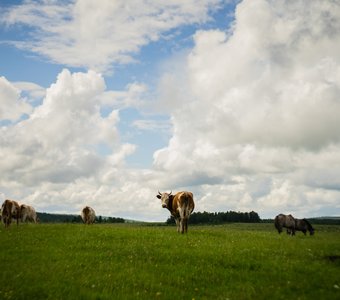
(236, 261)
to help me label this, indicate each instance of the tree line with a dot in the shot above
(195, 218)
(220, 217)
(68, 218)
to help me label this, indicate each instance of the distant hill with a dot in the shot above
(325, 220)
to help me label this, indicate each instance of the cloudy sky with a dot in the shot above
(103, 103)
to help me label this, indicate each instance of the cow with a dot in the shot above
(28, 213)
(180, 205)
(88, 215)
(10, 209)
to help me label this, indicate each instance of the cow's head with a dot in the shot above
(165, 198)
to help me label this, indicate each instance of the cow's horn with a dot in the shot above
(159, 193)
(170, 193)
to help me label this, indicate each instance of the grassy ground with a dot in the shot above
(236, 261)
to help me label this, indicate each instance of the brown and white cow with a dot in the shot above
(180, 205)
(10, 209)
(28, 213)
(88, 215)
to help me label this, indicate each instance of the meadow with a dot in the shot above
(131, 261)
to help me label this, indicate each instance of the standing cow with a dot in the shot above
(28, 213)
(88, 215)
(180, 205)
(10, 209)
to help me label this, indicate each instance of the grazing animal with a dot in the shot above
(88, 215)
(28, 213)
(10, 209)
(180, 205)
(303, 225)
(287, 221)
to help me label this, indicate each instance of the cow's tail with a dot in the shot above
(185, 205)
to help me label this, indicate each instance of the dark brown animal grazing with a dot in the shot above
(180, 205)
(304, 226)
(286, 221)
(10, 209)
(88, 215)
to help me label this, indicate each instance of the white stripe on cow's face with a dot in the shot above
(165, 200)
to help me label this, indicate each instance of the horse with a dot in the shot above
(286, 221)
(303, 225)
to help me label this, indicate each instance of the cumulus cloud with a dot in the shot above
(254, 111)
(64, 32)
(12, 105)
(66, 150)
(262, 104)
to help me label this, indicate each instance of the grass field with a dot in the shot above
(234, 261)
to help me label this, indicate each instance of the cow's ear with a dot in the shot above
(158, 196)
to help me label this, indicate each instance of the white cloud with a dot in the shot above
(254, 112)
(64, 143)
(67, 154)
(12, 105)
(261, 103)
(65, 33)
(34, 90)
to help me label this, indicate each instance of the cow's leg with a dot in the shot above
(182, 214)
(8, 221)
(185, 224)
(177, 224)
(182, 220)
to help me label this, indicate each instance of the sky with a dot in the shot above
(104, 103)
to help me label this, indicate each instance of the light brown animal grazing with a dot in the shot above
(88, 215)
(10, 209)
(180, 205)
(28, 213)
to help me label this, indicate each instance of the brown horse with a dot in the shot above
(303, 225)
(286, 221)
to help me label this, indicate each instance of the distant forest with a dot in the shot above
(64, 218)
(195, 218)
(221, 217)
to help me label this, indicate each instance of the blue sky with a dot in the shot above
(105, 103)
